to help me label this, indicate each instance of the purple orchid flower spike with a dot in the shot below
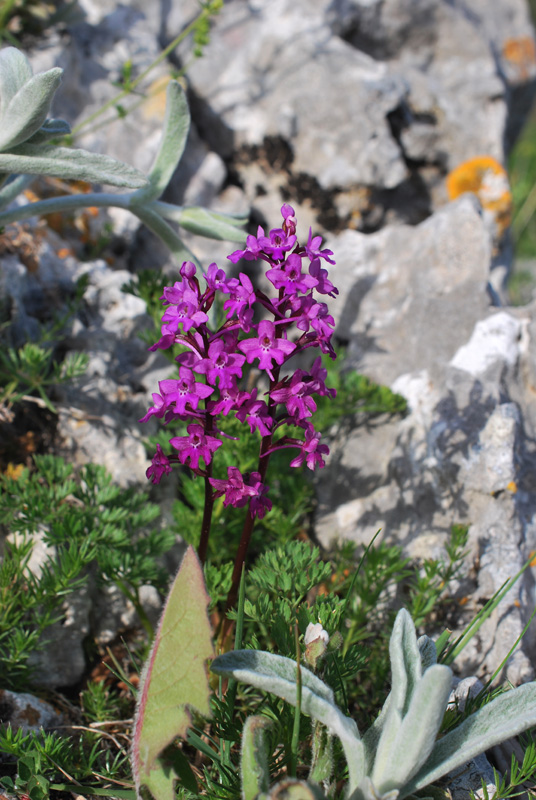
(213, 382)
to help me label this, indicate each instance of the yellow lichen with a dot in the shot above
(487, 178)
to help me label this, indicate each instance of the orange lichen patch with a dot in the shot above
(63, 252)
(517, 604)
(463, 601)
(512, 487)
(520, 52)
(488, 179)
(532, 562)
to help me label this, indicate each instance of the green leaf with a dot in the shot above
(50, 129)
(277, 675)
(174, 136)
(408, 750)
(61, 162)
(27, 110)
(254, 758)
(174, 679)
(207, 223)
(507, 715)
(15, 71)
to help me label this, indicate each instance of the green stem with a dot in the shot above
(146, 214)
(135, 83)
(297, 710)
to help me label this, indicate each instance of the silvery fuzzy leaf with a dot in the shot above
(507, 715)
(27, 110)
(428, 652)
(50, 129)
(174, 136)
(13, 188)
(405, 753)
(15, 71)
(406, 672)
(277, 675)
(254, 772)
(207, 223)
(62, 162)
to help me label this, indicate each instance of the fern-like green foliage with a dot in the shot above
(81, 519)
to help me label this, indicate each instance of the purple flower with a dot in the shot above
(229, 401)
(324, 286)
(184, 392)
(242, 295)
(252, 250)
(311, 451)
(221, 365)
(289, 223)
(160, 465)
(297, 397)
(256, 413)
(216, 279)
(267, 347)
(312, 248)
(240, 489)
(277, 243)
(185, 313)
(289, 277)
(195, 446)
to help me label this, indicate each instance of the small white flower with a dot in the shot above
(314, 632)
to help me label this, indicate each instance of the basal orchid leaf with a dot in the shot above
(174, 680)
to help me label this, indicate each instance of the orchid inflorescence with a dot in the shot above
(292, 321)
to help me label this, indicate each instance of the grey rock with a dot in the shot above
(27, 713)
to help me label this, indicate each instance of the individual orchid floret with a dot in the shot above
(186, 313)
(324, 285)
(312, 248)
(186, 392)
(289, 219)
(195, 446)
(221, 365)
(242, 295)
(252, 250)
(276, 244)
(228, 401)
(239, 490)
(216, 279)
(160, 465)
(267, 347)
(318, 375)
(297, 396)
(255, 412)
(311, 451)
(289, 277)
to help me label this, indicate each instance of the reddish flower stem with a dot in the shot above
(247, 530)
(209, 502)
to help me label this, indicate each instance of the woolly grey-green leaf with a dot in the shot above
(208, 223)
(15, 71)
(61, 162)
(406, 672)
(174, 136)
(254, 773)
(406, 752)
(507, 715)
(277, 675)
(27, 110)
(50, 129)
